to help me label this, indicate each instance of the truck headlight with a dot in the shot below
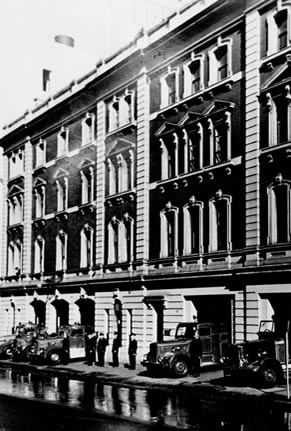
(160, 359)
(145, 357)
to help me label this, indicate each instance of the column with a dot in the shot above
(27, 213)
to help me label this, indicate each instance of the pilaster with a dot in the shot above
(4, 213)
(100, 184)
(142, 169)
(252, 145)
(27, 212)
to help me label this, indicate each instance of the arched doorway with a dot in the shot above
(87, 312)
(62, 312)
(39, 311)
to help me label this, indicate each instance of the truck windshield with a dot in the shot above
(266, 326)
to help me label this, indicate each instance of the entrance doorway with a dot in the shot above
(87, 312)
(39, 311)
(62, 312)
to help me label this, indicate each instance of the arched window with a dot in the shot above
(63, 142)
(169, 157)
(193, 75)
(40, 153)
(39, 195)
(86, 258)
(62, 194)
(220, 222)
(169, 231)
(123, 174)
(279, 211)
(87, 183)
(113, 241)
(112, 178)
(220, 61)
(279, 117)
(219, 135)
(126, 239)
(14, 258)
(193, 227)
(88, 125)
(39, 255)
(278, 30)
(61, 251)
(169, 87)
(114, 114)
(15, 209)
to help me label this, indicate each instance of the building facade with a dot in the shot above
(157, 186)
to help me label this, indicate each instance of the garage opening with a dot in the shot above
(39, 311)
(62, 312)
(87, 312)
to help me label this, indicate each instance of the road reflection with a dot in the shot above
(154, 406)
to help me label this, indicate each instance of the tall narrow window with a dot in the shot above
(128, 108)
(123, 174)
(126, 239)
(113, 241)
(219, 135)
(15, 209)
(111, 176)
(114, 119)
(87, 183)
(279, 123)
(16, 163)
(62, 194)
(281, 119)
(193, 227)
(169, 231)
(86, 260)
(63, 141)
(220, 66)
(281, 21)
(219, 222)
(61, 251)
(14, 258)
(169, 157)
(169, 88)
(40, 149)
(39, 195)
(88, 129)
(279, 211)
(39, 255)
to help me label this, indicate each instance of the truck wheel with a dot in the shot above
(54, 358)
(268, 376)
(7, 352)
(179, 368)
(27, 353)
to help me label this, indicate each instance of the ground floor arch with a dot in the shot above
(87, 312)
(39, 311)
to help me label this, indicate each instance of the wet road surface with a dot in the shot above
(31, 402)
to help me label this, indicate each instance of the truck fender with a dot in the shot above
(180, 356)
(273, 363)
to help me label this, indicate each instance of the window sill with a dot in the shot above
(274, 55)
(16, 227)
(122, 128)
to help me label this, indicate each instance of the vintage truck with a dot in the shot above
(173, 356)
(52, 350)
(22, 345)
(7, 342)
(261, 360)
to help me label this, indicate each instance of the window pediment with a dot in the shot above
(276, 76)
(190, 117)
(14, 190)
(118, 146)
(217, 106)
(61, 173)
(86, 163)
(166, 127)
(39, 182)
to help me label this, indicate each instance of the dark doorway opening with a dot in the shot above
(87, 312)
(39, 311)
(62, 312)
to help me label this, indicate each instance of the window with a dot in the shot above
(193, 149)
(220, 61)
(61, 251)
(14, 258)
(193, 228)
(62, 194)
(123, 174)
(219, 134)
(39, 255)
(279, 114)
(15, 209)
(169, 157)
(220, 222)
(111, 175)
(169, 231)
(193, 75)
(278, 25)
(86, 260)
(16, 165)
(39, 195)
(114, 114)
(63, 139)
(126, 239)
(40, 150)
(87, 182)
(128, 108)
(113, 243)
(46, 80)
(88, 129)
(279, 211)
(169, 88)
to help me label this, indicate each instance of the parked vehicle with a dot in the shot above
(7, 342)
(25, 337)
(263, 360)
(51, 349)
(173, 356)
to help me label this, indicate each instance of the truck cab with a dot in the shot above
(263, 360)
(174, 355)
(68, 344)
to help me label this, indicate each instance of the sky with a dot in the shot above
(99, 27)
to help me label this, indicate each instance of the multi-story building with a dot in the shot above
(156, 187)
